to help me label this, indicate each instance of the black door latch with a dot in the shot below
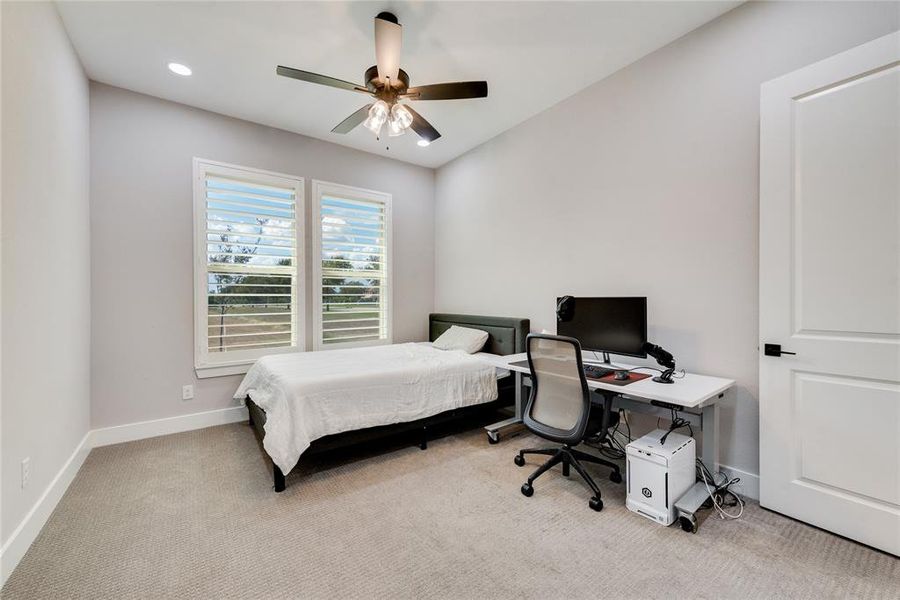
(775, 350)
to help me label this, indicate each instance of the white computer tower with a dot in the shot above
(658, 474)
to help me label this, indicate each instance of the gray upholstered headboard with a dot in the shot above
(506, 335)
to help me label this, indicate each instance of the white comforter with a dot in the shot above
(308, 395)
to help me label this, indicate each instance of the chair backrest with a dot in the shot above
(560, 403)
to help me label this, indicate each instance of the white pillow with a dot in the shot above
(461, 338)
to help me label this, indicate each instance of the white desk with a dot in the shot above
(695, 395)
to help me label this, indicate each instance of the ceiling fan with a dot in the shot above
(389, 84)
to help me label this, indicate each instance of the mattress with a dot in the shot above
(308, 395)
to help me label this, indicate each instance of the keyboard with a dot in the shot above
(595, 372)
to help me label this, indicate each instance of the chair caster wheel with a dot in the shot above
(519, 460)
(596, 504)
(493, 437)
(527, 490)
(615, 477)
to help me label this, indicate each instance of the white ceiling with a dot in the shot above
(533, 54)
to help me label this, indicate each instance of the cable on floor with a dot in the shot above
(720, 496)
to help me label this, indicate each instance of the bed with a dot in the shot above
(306, 403)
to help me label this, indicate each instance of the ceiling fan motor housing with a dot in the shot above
(380, 91)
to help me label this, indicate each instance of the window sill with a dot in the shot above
(208, 371)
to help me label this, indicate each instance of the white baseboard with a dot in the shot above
(748, 486)
(157, 427)
(20, 540)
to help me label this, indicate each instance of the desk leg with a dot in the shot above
(520, 402)
(493, 430)
(710, 416)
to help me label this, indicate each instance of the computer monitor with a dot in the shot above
(608, 325)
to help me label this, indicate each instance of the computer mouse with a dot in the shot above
(621, 375)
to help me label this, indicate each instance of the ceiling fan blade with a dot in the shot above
(388, 40)
(449, 91)
(347, 125)
(320, 79)
(422, 127)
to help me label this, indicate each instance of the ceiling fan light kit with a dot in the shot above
(389, 84)
(400, 120)
(377, 115)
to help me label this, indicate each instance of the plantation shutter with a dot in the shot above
(251, 263)
(354, 275)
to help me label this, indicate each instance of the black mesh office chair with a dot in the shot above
(559, 409)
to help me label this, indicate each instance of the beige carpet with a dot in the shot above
(193, 516)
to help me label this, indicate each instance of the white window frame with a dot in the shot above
(324, 188)
(207, 364)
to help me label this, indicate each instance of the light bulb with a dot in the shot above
(423, 143)
(400, 120)
(394, 130)
(401, 116)
(395, 125)
(378, 114)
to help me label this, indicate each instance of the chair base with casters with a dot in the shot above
(568, 457)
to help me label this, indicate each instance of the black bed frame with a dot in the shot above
(505, 336)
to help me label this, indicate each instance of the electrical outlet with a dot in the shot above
(187, 392)
(26, 472)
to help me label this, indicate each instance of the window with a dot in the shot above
(351, 266)
(248, 287)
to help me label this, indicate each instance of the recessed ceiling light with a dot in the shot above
(180, 69)
(423, 143)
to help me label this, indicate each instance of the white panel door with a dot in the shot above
(829, 282)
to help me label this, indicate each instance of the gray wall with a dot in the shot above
(644, 184)
(141, 216)
(45, 249)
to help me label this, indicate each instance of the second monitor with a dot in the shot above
(607, 325)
